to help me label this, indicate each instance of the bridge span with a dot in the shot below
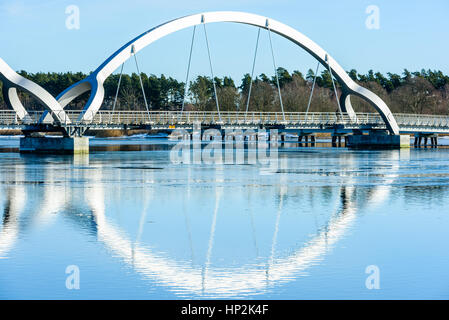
(169, 120)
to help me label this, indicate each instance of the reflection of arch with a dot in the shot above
(217, 281)
(14, 205)
(178, 275)
(11, 81)
(97, 78)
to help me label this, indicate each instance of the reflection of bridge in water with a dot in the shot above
(383, 127)
(203, 278)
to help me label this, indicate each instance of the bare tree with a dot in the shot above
(228, 98)
(262, 97)
(417, 95)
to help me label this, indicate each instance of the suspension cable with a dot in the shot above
(211, 70)
(335, 88)
(188, 70)
(118, 87)
(252, 72)
(275, 71)
(313, 87)
(140, 79)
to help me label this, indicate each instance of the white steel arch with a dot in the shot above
(11, 81)
(97, 78)
(94, 82)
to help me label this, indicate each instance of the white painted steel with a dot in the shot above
(94, 81)
(11, 81)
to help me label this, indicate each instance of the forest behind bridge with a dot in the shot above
(420, 92)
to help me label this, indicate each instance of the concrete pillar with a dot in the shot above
(425, 142)
(334, 141)
(433, 142)
(312, 140)
(55, 145)
(378, 141)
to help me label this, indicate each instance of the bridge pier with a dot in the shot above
(54, 145)
(420, 137)
(306, 139)
(337, 139)
(435, 141)
(378, 139)
(312, 140)
(417, 142)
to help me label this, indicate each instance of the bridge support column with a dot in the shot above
(337, 139)
(306, 135)
(378, 140)
(55, 145)
(433, 142)
(419, 137)
(312, 140)
(282, 134)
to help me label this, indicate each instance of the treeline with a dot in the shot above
(425, 91)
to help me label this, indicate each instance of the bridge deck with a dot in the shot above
(312, 121)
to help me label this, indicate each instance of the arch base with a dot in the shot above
(378, 140)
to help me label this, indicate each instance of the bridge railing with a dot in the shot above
(418, 120)
(312, 119)
(229, 117)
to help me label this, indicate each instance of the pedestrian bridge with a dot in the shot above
(169, 120)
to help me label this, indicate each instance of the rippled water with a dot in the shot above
(141, 227)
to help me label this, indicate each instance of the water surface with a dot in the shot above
(141, 227)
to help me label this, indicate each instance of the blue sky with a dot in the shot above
(412, 35)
